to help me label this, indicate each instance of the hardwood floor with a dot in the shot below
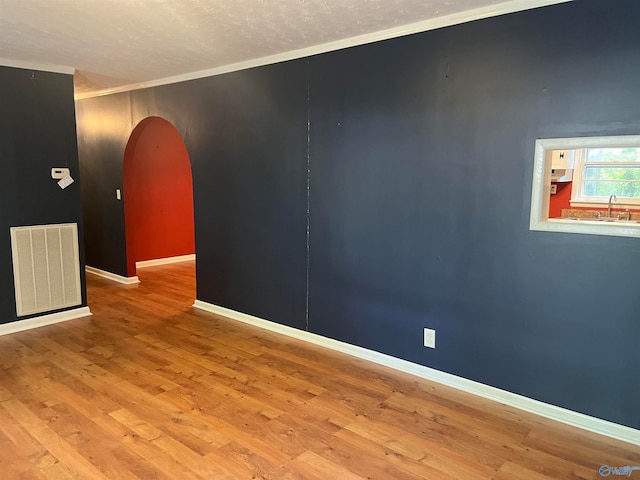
(150, 388)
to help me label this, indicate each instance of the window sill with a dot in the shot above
(616, 228)
(582, 203)
(605, 204)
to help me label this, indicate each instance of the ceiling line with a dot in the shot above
(511, 6)
(25, 65)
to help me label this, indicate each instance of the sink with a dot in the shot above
(615, 220)
(603, 220)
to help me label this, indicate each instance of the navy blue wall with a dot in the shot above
(420, 153)
(37, 132)
(103, 133)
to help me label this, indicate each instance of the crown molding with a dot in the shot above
(6, 62)
(504, 8)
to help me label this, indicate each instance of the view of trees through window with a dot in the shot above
(611, 171)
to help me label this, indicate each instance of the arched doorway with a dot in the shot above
(158, 194)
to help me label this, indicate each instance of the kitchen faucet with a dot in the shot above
(612, 199)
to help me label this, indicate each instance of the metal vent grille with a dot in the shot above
(46, 267)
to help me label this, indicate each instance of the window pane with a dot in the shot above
(604, 189)
(628, 173)
(627, 154)
(604, 181)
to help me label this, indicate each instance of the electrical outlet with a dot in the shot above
(429, 338)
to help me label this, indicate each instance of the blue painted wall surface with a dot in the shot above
(420, 153)
(37, 132)
(103, 133)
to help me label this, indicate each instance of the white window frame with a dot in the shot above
(541, 188)
(577, 199)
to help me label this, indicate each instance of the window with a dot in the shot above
(602, 172)
(598, 167)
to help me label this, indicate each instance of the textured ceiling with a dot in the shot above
(112, 43)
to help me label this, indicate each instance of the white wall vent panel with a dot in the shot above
(46, 267)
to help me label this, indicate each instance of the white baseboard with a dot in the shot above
(112, 276)
(166, 261)
(42, 320)
(586, 422)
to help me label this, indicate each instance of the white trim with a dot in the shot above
(488, 11)
(112, 276)
(41, 321)
(586, 422)
(603, 205)
(166, 261)
(576, 191)
(6, 62)
(541, 188)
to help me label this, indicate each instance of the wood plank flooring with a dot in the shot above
(149, 388)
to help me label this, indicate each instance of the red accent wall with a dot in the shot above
(158, 194)
(560, 200)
